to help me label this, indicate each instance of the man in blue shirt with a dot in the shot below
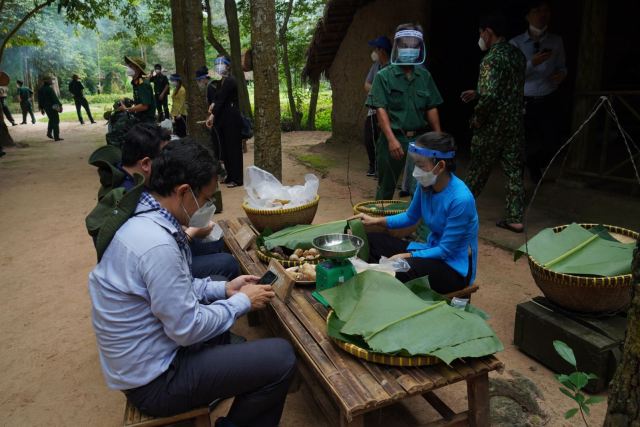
(162, 334)
(545, 72)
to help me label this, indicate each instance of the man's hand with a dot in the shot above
(540, 57)
(369, 220)
(122, 107)
(401, 256)
(259, 295)
(558, 77)
(395, 149)
(200, 232)
(234, 286)
(468, 95)
(209, 122)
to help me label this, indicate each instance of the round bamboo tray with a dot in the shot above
(277, 219)
(585, 294)
(363, 207)
(383, 359)
(266, 258)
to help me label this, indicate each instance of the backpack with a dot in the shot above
(120, 122)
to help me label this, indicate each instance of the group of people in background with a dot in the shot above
(515, 118)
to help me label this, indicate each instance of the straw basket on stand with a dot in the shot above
(586, 294)
(277, 219)
(386, 208)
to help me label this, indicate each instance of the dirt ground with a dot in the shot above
(49, 363)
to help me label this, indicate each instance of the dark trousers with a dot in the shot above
(389, 169)
(541, 132)
(442, 278)
(371, 134)
(180, 126)
(162, 107)
(27, 108)
(257, 373)
(230, 142)
(210, 260)
(53, 128)
(7, 113)
(82, 102)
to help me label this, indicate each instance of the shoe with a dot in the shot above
(23, 123)
(403, 193)
(232, 184)
(81, 123)
(49, 136)
(33, 123)
(14, 124)
(504, 224)
(371, 172)
(93, 122)
(59, 139)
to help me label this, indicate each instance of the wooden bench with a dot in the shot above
(201, 416)
(345, 387)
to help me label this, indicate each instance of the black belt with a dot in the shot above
(410, 133)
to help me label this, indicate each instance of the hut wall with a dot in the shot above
(352, 62)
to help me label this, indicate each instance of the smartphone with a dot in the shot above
(268, 278)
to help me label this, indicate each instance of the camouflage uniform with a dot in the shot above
(498, 125)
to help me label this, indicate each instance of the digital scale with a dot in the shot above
(336, 269)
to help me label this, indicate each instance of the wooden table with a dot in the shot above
(346, 387)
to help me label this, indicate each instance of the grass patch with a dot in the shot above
(316, 162)
(70, 115)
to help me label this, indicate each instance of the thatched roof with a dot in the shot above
(328, 35)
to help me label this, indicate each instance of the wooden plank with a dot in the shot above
(284, 283)
(245, 237)
(437, 404)
(478, 395)
(463, 369)
(386, 380)
(450, 374)
(405, 380)
(437, 379)
(326, 404)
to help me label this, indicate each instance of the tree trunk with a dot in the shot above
(188, 44)
(624, 391)
(313, 105)
(296, 117)
(231, 12)
(5, 136)
(268, 149)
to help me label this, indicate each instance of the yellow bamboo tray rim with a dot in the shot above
(362, 208)
(279, 211)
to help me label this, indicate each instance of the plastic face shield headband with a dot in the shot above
(408, 48)
(417, 153)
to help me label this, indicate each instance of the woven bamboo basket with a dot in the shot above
(266, 258)
(277, 219)
(364, 207)
(585, 294)
(383, 359)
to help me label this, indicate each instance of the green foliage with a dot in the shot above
(574, 383)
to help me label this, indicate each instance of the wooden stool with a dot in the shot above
(201, 417)
(463, 293)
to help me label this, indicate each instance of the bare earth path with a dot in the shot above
(48, 359)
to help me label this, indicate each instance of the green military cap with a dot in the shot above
(137, 61)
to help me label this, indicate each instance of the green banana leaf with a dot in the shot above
(300, 236)
(576, 250)
(377, 309)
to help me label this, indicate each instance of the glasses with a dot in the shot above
(210, 201)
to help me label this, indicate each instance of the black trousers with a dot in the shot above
(162, 107)
(541, 126)
(442, 278)
(53, 128)
(228, 133)
(7, 113)
(257, 373)
(180, 126)
(27, 108)
(82, 102)
(371, 133)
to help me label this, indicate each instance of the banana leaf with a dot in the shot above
(377, 309)
(300, 236)
(576, 250)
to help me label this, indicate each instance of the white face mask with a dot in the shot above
(131, 72)
(374, 56)
(537, 32)
(426, 179)
(482, 44)
(203, 215)
(221, 69)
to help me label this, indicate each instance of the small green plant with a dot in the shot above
(574, 383)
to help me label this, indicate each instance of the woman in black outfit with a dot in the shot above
(227, 123)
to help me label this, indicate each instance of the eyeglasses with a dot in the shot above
(210, 201)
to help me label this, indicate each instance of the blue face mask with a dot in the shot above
(408, 55)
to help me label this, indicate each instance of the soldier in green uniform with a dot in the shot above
(144, 105)
(26, 95)
(49, 103)
(498, 118)
(77, 90)
(406, 99)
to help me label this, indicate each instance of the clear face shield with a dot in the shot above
(426, 160)
(408, 48)
(222, 67)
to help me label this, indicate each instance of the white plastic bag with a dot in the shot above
(361, 266)
(399, 265)
(264, 191)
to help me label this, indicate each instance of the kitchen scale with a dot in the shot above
(336, 269)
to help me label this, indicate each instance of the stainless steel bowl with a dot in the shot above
(337, 245)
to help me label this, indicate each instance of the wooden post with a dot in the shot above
(478, 395)
(588, 75)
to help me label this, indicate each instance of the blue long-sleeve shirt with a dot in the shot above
(453, 220)
(146, 304)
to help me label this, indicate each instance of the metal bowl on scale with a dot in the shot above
(337, 246)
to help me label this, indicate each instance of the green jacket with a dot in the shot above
(25, 94)
(47, 97)
(143, 94)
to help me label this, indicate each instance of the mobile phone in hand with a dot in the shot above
(268, 278)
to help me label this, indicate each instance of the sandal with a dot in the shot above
(232, 184)
(504, 224)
